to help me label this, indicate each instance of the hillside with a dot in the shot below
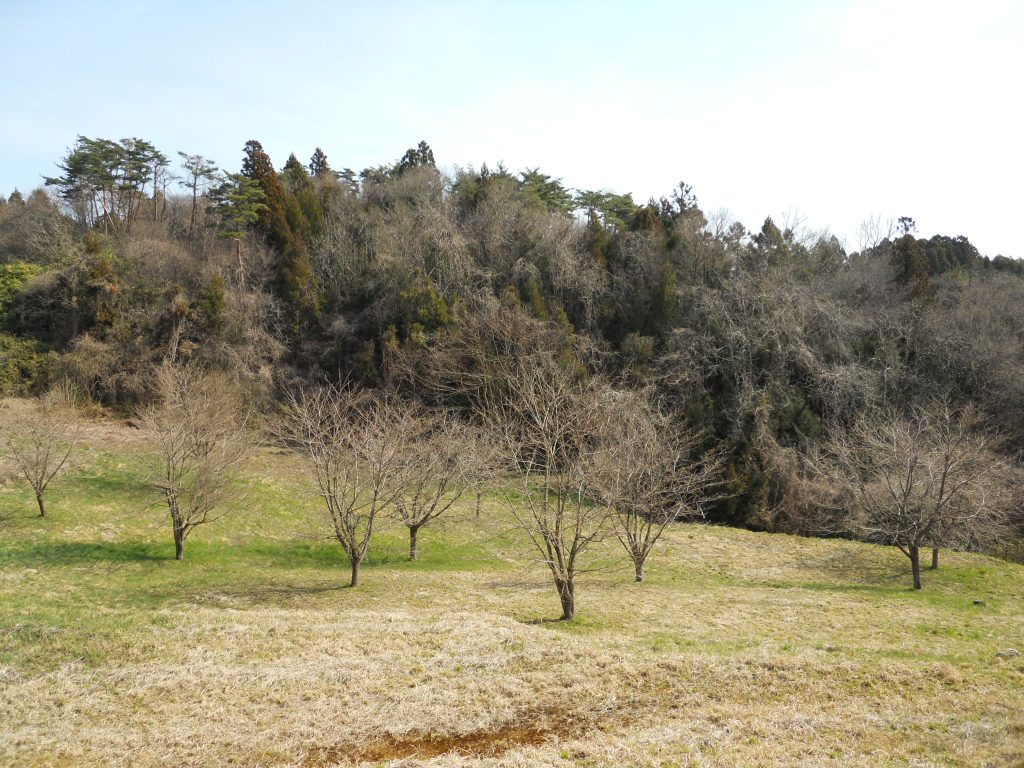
(769, 339)
(741, 648)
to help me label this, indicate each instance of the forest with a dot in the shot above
(775, 351)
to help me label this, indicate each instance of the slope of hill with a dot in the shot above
(740, 648)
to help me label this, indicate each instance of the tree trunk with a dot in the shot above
(41, 503)
(478, 505)
(639, 563)
(355, 572)
(915, 566)
(179, 544)
(413, 530)
(192, 221)
(935, 558)
(241, 267)
(567, 597)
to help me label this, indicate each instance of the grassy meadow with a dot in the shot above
(740, 649)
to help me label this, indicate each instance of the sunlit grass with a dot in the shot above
(738, 649)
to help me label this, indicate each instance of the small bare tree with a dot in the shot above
(444, 461)
(546, 423)
(926, 480)
(39, 443)
(198, 424)
(356, 445)
(650, 475)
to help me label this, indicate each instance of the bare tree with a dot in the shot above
(874, 230)
(928, 480)
(199, 427)
(444, 460)
(356, 445)
(542, 414)
(650, 475)
(39, 443)
(547, 429)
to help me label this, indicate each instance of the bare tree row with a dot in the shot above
(572, 459)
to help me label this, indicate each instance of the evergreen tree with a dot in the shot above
(201, 172)
(271, 223)
(664, 308)
(236, 204)
(910, 267)
(318, 166)
(770, 247)
(303, 209)
(104, 182)
(420, 157)
(545, 192)
(293, 277)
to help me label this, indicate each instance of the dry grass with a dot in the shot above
(740, 649)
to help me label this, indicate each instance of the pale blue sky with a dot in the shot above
(828, 112)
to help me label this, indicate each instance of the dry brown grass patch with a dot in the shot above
(534, 728)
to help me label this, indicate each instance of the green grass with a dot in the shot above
(738, 649)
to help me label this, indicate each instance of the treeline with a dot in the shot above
(764, 343)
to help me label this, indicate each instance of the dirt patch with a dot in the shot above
(423, 746)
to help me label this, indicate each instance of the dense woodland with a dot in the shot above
(764, 347)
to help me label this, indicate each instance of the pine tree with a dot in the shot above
(237, 203)
(201, 173)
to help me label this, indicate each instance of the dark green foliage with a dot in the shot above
(318, 165)
(420, 157)
(540, 190)
(646, 219)
(910, 267)
(238, 202)
(421, 306)
(1004, 264)
(770, 247)
(614, 211)
(25, 368)
(13, 278)
(293, 280)
(664, 307)
(104, 182)
(209, 306)
(471, 188)
(533, 299)
(303, 209)
(600, 242)
(296, 286)
(270, 221)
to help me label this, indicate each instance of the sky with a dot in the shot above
(820, 114)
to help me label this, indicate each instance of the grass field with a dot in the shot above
(740, 649)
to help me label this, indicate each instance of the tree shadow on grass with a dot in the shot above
(106, 480)
(276, 592)
(74, 552)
